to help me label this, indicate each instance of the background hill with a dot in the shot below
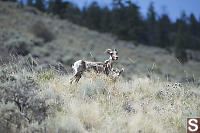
(26, 30)
(37, 50)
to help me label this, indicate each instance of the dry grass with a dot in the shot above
(34, 100)
(71, 42)
(96, 104)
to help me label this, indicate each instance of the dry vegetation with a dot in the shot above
(36, 100)
(37, 97)
(40, 30)
(56, 41)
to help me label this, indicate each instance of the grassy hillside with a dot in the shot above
(44, 101)
(35, 94)
(56, 41)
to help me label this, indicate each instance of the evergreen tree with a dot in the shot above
(51, 5)
(94, 16)
(134, 23)
(39, 4)
(58, 7)
(182, 21)
(10, 0)
(180, 45)
(127, 22)
(193, 25)
(199, 28)
(181, 40)
(117, 4)
(151, 25)
(105, 20)
(83, 16)
(194, 33)
(116, 16)
(30, 2)
(71, 12)
(55, 6)
(163, 31)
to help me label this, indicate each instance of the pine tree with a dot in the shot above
(71, 12)
(127, 22)
(193, 25)
(151, 25)
(51, 4)
(116, 17)
(39, 4)
(181, 38)
(163, 31)
(58, 7)
(84, 16)
(10, 0)
(134, 23)
(105, 20)
(30, 2)
(180, 44)
(182, 21)
(117, 4)
(199, 28)
(194, 33)
(94, 16)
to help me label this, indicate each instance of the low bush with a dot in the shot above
(39, 29)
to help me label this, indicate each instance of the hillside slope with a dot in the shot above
(71, 42)
(36, 99)
(45, 102)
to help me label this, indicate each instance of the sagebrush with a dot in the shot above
(35, 100)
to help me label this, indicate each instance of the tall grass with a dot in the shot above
(44, 101)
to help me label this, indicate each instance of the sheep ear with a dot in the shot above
(115, 49)
(122, 70)
(108, 51)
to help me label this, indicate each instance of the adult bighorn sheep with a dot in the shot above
(105, 67)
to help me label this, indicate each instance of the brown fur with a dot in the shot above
(105, 67)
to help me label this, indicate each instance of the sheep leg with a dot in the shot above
(71, 80)
(78, 76)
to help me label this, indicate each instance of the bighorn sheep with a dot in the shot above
(105, 67)
(117, 73)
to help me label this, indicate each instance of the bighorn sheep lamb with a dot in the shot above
(105, 67)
